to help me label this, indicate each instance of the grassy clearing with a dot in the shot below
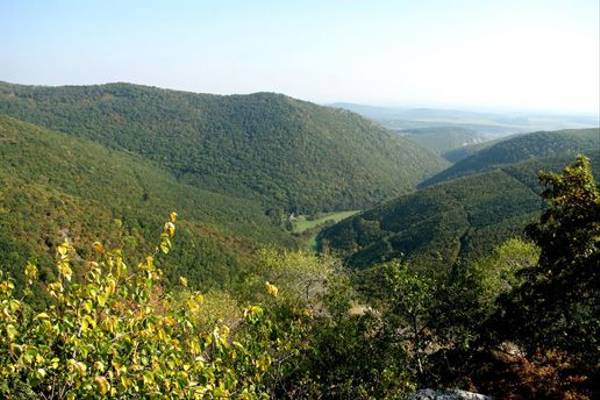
(302, 224)
(309, 228)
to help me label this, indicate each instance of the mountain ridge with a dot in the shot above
(520, 148)
(284, 152)
(456, 220)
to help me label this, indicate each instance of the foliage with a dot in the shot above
(54, 186)
(558, 306)
(410, 299)
(521, 148)
(498, 273)
(444, 280)
(529, 316)
(468, 295)
(116, 332)
(348, 354)
(286, 153)
(301, 275)
(456, 221)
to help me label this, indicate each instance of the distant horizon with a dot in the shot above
(397, 106)
(515, 55)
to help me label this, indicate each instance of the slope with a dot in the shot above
(463, 218)
(460, 153)
(521, 148)
(443, 139)
(284, 152)
(53, 186)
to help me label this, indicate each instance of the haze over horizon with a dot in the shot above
(511, 55)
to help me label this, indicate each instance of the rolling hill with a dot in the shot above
(443, 139)
(489, 124)
(460, 219)
(271, 148)
(521, 148)
(54, 185)
(460, 153)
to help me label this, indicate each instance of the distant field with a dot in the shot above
(302, 224)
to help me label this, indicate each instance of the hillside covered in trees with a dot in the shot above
(279, 200)
(521, 148)
(463, 218)
(520, 321)
(283, 152)
(99, 302)
(55, 186)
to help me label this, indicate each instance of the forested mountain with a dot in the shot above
(281, 151)
(55, 186)
(461, 219)
(443, 139)
(521, 148)
(276, 319)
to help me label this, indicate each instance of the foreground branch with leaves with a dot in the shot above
(116, 333)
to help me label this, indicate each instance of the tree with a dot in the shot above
(558, 306)
(409, 305)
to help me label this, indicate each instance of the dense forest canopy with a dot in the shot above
(521, 148)
(312, 329)
(463, 218)
(55, 185)
(292, 200)
(268, 147)
(97, 301)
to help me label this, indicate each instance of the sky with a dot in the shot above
(481, 54)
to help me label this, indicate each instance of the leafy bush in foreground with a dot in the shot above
(115, 333)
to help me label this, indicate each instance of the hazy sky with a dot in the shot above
(540, 55)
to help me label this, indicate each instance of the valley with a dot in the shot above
(311, 200)
(312, 233)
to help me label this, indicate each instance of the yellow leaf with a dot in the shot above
(31, 272)
(65, 269)
(165, 244)
(77, 366)
(271, 289)
(99, 247)
(173, 216)
(101, 384)
(63, 248)
(11, 332)
(183, 281)
(42, 315)
(169, 229)
(111, 286)
(148, 378)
